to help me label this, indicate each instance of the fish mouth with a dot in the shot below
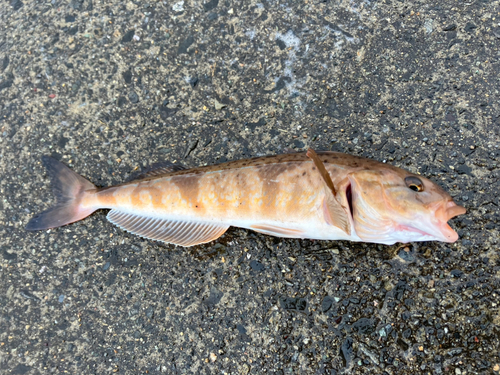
(437, 229)
(451, 210)
(440, 229)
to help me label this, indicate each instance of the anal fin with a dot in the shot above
(178, 232)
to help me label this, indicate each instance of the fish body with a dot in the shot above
(325, 196)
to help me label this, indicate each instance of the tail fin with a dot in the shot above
(68, 188)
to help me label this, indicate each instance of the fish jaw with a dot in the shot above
(443, 214)
(380, 218)
(435, 224)
(442, 232)
(448, 234)
(421, 230)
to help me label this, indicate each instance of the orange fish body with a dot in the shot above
(328, 195)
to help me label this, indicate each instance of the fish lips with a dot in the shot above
(439, 228)
(453, 209)
(449, 211)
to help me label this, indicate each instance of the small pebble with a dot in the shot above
(133, 97)
(218, 106)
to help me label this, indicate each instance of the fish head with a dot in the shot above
(390, 205)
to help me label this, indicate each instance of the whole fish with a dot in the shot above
(324, 196)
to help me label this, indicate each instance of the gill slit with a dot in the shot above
(348, 195)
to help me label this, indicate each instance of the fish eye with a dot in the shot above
(414, 183)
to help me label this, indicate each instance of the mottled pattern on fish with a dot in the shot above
(269, 194)
(271, 187)
(283, 195)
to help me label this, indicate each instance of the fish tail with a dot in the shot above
(69, 189)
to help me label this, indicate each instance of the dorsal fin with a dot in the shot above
(157, 169)
(333, 211)
(289, 150)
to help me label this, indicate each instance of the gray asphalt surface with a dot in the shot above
(112, 87)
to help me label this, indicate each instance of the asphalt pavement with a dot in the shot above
(112, 87)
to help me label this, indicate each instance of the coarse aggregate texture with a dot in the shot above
(110, 87)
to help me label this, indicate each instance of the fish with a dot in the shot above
(314, 195)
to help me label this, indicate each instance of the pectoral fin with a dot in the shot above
(333, 211)
(335, 214)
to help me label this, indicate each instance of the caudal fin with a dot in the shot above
(68, 188)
